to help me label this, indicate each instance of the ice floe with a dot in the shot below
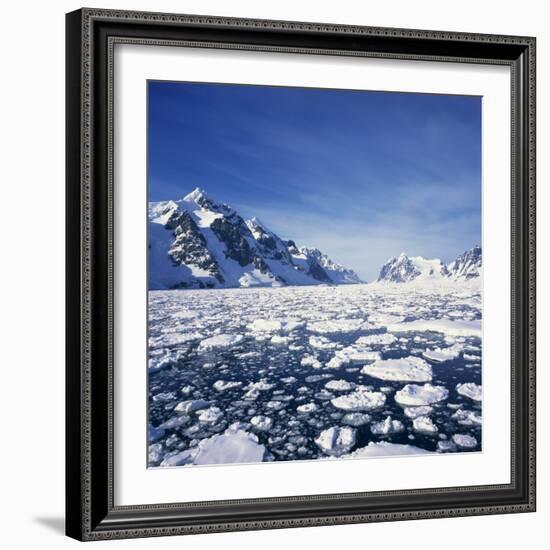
(387, 426)
(464, 441)
(467, 418)
(440, 355)
(337, 440)
(471, 390)
(424, 424)
(414, 395)
(415, 412)
(356, 419)
(360, 400)
(220, 341)
(406, 369)
(339, 385)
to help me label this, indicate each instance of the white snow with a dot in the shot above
(440, 355)
(356, 419)
(265, 325)
(210, 415)
(406, 369)
(387, 426)
(310, 361)
(360, 400)
(467, 418)
(307, 408)
(385, 339)
(465, 441)
(471, 390)
(336, 441)
(384, 448)
(338, 325)
(414, 395)
(262, 423)
(187, 407)
(339, 385)
(446, 326)
(222, 385)
(415, 412)
(220, 341)
(424, 424)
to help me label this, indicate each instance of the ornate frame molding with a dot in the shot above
(91, 36)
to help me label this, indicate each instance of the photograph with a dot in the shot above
(315, 274)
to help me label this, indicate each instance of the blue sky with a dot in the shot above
(360, 175)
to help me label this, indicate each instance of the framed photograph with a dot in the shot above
(300, 274)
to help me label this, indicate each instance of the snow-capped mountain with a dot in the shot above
(403, 269)
(196, 242)
(467, 265)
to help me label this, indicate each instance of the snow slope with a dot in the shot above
(404, 269)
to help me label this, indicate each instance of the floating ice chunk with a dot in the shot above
(446, 446)
(383, 319)
(279, 340)
(356, 419)
(262, 423)
(360, 400)
(440, 355)
(186, 390)
(338, 325)
(424, 424)
(175, 422)
(180, 459)
(415, 412)
(471, 390)
(288, 380)
(385, 339)
(414, 395)
(154, 434)
(320, 342)
(310, 361)
(446, 326)
(222, 385)
(352, 354)
(265, 325)
(339, 385)
(406, 369)
(212, 415)
(465, 441)
(220, 341)
(387, 426)
(155, 452)
(233, 446)
(467, 418)
(336, 441)
(164, 396)
(383, 448)
(307, 408)
(187, 407)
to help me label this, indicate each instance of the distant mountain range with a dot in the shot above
(197, 242)
(404, 269)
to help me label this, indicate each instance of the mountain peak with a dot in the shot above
(196, 195)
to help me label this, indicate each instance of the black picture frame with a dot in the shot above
(90, 510)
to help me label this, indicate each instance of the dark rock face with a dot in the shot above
(467, 265)
(207, 237)
(190, 246)
(231, 234)
(399, 270)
